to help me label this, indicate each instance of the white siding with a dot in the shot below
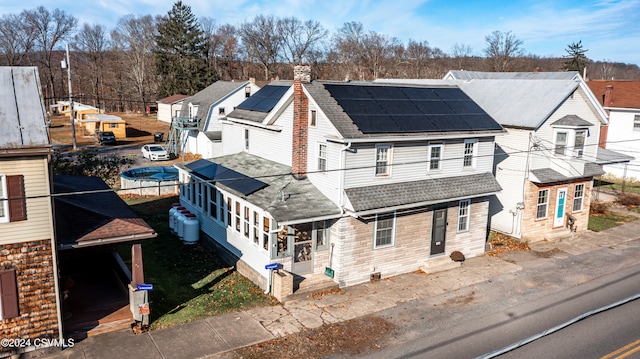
(232, 138)
(39, 223)
(409, 162)
(328, 182)
(624, 139)
(510, 162)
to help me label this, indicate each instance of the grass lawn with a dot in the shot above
(190, 282)
(600, 222)
(633, 187)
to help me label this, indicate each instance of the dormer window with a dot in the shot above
(570, 136)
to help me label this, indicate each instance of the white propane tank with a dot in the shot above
(171, 212)
(176, 214)
(191, 229)
(180, 223)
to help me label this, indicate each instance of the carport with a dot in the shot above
(90, 220)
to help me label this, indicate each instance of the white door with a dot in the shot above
(561, 199)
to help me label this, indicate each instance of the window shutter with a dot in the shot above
(9, 294)
(17, 202)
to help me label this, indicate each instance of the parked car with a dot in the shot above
(106, 138)
(154, 152)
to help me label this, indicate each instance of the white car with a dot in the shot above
(154, 152)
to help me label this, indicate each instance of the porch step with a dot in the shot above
(439, 264)
(90, 331)
(304, 287)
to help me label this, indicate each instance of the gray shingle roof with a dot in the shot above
(607, 157)
(421, 192)
(285, 198)
(23, 122)
(209, 96)
(572, 120)
(548, 175)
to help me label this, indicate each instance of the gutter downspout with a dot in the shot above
(343, 160)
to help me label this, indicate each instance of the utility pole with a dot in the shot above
(67, 64)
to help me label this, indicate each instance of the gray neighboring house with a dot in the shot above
(210, 106)
(368, 179)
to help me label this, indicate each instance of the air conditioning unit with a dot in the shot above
(578, 153)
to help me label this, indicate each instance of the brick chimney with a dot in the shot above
(299, 150)
(607, 101)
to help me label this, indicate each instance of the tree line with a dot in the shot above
(145, 58)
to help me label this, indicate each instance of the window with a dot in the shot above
(113, 125)
(384, 230)
(636, 123)
(213, 202)
(256, 228)
(238, 216)
(322, 234)
(464, 210)
(578, 147)
(322, 157)
(192, 191)
(229, 212)
(199, 193)
(221, 208)
(578, 196)
(435, 157)
(313, 118)
(247, 92)
(221, 111)
(561, 143)
(382, 160)
(246, 138)
(8, 294)
(13, 206)
(246, 221)
(265, 233)
(468, 156)
(543, 203)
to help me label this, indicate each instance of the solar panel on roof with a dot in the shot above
(265, 99)
(246, 185)
(226, 176)
(396, 109)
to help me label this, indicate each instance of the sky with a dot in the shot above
(608, 29)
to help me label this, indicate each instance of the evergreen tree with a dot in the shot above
(576, 59)
(181, 55)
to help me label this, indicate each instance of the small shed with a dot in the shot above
(169, 107)
(101, 122)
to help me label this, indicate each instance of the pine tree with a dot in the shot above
(181, 55)
(576, 59)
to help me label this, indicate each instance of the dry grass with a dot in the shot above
(501, 243)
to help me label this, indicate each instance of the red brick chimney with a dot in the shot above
(607, 101)
(301, 74)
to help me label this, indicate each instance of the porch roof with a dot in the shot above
(285, 198)
(548, 175)
(416, 193)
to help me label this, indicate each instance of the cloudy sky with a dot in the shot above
(608, 28)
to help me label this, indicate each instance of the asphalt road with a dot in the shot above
(481, 319)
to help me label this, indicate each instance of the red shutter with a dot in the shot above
(8, 294)
(17, 200)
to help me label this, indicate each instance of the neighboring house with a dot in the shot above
(29, 296)
(210, 106)
(94, 123)
(169, 107)
(621, 100)
(80, 110)
(547, 161)
(366, 179)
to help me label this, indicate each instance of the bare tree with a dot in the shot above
(377, 54)
(262, 42)
(300, 39)
(418, 55)
(16, 39)
(502, 48)
(92, 41)
(461, 53)
(49, 29)
(134, 40)
(349, 45)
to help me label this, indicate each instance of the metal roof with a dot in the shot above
(415, 193)
(480, 75)
(607, 157)
(23, 121)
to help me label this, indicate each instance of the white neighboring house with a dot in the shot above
(370, 180)
(169, 107)
(211, 105)
(621, 100)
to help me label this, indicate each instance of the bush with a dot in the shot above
(88, 163)
(628, 199)
(598, 207)
(457, 256)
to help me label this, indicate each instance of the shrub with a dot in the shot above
(598, 207)
(628, 199)
(88, 163)
(457, 256)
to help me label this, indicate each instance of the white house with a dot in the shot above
(368, 179)
(621, 100)
(169, 107)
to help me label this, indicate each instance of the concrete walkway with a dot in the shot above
(217, 335)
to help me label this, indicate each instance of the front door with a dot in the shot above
(561, 198)
(303, 249)
(438, 231)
